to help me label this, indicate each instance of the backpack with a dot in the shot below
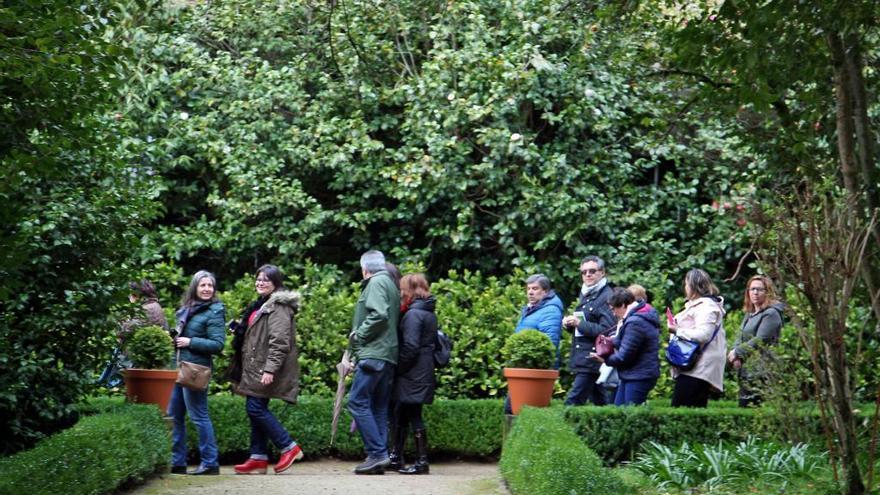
(442, 350)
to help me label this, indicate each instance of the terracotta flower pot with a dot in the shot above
(149, 386)
(530, 387)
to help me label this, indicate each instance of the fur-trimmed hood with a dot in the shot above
(290, 298)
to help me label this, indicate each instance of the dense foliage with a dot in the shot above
(763, 466)
(528, 348)
(150, 347)
(71, 207)
(469, 135)
(100, 454)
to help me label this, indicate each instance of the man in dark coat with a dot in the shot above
(591, 318)
(373, 340)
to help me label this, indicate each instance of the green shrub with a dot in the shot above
(752, 466)
(618, 433)
(150, 347)
(543, 455)
(96, 456)
(456, 427)
(528, 348)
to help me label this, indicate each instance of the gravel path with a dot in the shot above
(331, 476)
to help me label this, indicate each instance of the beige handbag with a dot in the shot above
(192, 376)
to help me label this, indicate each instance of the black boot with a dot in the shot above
(421, 464)
(398, 437)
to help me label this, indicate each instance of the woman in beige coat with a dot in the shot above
(268, 368)
(702, 320)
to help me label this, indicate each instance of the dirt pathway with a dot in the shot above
(330, 476)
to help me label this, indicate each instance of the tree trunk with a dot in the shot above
(841, 407)
(845, 130)
(865, 141)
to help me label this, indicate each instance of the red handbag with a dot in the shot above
(604, 346)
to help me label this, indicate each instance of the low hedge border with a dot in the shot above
(543, 455)
(98, 455)
(618, 433)
(467, 428)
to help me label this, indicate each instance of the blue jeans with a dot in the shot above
(633, 392)
(264, 427)
(585, 388)
(368, 403)
(184, 400)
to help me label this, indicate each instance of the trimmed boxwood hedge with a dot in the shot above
(618, 433)
(96, 456)
(543, 455)
(456, 427)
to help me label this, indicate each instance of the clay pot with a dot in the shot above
(149, 386)
(529, 387)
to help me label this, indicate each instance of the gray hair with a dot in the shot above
(540, 279)
(373, 261)
(595, 259)
(191, 295)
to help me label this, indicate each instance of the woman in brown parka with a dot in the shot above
(265, 344)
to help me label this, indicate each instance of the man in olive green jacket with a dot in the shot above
(373, 341)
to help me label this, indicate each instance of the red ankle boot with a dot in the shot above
(287, 459)
(252, 466)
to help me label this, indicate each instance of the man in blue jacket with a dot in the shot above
(592, 317)
(543, 313)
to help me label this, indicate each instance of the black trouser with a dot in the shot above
(690, 392)
(410, 415)
(584, 388)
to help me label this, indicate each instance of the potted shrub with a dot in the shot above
(529, 356)
(151, 379)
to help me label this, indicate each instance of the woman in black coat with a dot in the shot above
(414, 384)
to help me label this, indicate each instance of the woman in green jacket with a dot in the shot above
(201, 333)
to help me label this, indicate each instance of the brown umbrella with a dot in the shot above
(344, 367)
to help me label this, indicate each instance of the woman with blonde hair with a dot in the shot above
(414, 384)
(762, 323)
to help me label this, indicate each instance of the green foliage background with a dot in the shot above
(478, 141)
(470, 135)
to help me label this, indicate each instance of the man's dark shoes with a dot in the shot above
(373, 465)
(206, 470)
(178, 469)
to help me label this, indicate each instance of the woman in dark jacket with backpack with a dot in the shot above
(635, 348)
(414, 384)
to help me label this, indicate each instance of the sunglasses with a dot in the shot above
(590, 271)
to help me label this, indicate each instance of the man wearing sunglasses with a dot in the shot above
(591, 318)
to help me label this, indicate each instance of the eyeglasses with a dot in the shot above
(757, 289)
(263, 281)
(590, 271)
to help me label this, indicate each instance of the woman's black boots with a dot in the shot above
(421, 464)
(398, 437)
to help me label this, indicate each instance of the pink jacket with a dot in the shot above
(697, 322)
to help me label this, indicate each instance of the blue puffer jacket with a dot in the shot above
(545, 316)
(636, 345)
(206, 326)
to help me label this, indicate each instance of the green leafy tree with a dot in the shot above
(477, 135)
(70, 207)
(795, 78)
